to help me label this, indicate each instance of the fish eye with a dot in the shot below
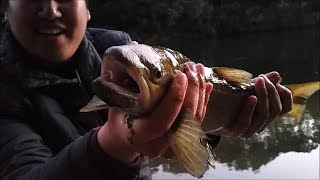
(157, 74)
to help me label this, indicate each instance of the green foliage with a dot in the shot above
(202, 18)
(152, 16)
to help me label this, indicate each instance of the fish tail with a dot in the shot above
(187, 141)
(300, 96)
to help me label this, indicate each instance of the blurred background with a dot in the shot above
(255, 35)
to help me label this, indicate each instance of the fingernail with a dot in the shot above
(252, 101)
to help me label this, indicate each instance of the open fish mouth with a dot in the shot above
(118, 75)
(120, 84)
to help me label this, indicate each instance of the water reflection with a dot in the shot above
(282, 136)
(276, 169)
(294, 55)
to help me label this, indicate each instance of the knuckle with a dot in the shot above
(193, 81)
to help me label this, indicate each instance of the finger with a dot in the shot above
(275, 105)
(261, 112)
(209, 88)
(242, 124)
(192, 94)
(286, 98)
(273, 76)
(162, 117)
(202, 92)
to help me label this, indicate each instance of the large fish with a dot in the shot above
(136, 77)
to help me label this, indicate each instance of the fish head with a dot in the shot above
(134, 77)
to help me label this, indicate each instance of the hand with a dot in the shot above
(258, 111)
(147, 135)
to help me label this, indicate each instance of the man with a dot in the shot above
(48, 60)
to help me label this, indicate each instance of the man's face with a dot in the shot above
(48, 29)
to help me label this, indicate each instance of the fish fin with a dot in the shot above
(94, 105)
(300, 96)
(186, 141)
(211, 159)
(210, 143)
(234, 76)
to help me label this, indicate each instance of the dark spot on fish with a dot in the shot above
(129, 121)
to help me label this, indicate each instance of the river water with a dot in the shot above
(287, 149)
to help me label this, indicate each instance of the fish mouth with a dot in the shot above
(121, 84)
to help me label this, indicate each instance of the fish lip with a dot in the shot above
(112, 61)
(127, 56)
(144, 94)
(112, 94)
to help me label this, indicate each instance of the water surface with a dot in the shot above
(287, 149)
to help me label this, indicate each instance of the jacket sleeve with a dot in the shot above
(24, 156)
(102, 39)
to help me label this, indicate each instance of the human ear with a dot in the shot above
(88, 15)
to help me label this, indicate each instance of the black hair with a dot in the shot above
(4, 4)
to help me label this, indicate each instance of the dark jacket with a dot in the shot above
(42, 134)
